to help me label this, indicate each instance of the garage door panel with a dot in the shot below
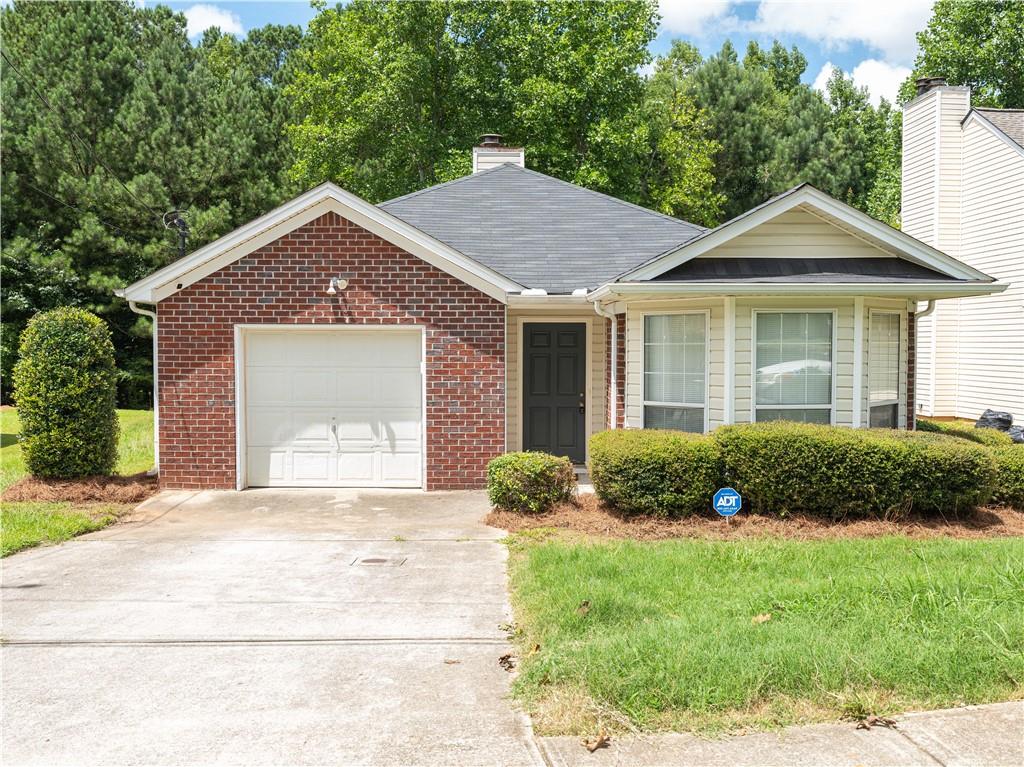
(367, 384)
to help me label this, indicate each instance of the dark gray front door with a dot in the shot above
(554, 388)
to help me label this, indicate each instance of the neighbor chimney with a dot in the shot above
(491, 153)
(925, 84)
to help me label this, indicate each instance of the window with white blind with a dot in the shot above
(675, 371)
(793, 366)
(884, 370)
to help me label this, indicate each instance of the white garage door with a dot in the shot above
(333, 408)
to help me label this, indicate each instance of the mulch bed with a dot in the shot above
(591, 517)
(131, 489)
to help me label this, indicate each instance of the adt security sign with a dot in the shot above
(727, 502)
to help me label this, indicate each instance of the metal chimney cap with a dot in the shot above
(490, 139)
(925, 84)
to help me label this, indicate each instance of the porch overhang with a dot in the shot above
(614, 291)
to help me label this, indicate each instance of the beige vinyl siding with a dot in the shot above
(598, 328)
(842, 353)
(917, 214)
(635, 356)
(796, 234)
(991, 328)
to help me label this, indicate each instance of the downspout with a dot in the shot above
(929, 308)
(613, 403)
(156, 390)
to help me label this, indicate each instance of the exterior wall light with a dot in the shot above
(336, 284)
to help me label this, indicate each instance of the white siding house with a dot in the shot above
(963, 193)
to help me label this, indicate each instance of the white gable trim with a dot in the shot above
(325, 198)
(905, 245)
(980, 118)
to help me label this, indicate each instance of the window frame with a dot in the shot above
(899, 361)
(831, 407)
(644, 402)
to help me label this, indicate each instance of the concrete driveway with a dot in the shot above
(265, 627)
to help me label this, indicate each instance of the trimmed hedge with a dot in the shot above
(782, 467)
(1010, 476)
(65, 386)
(529, 482)
(983, 436)
(663, 473)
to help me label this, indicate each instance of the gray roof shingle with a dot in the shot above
(1009, 121)
(540, 231)
(825, 270)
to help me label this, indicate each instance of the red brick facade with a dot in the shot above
(284, 283)
(616, 420)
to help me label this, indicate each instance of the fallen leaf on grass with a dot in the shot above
(601, 741)
(762, 618)
(533, 650)
(875, 721)
(584, 607)
(507, 662)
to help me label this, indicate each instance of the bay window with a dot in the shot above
(793, 366)
(884, 370)
(675, 371)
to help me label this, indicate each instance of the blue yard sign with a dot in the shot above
(727, 502)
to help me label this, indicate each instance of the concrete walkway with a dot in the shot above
(975, 736)
(265, 628)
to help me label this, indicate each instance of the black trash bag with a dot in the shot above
(1016, 434)
(993, 419)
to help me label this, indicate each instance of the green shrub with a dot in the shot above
(529, 482)
(782, 467)
(65, 388)
(1010, 476)
(648, 471)
(983, 436)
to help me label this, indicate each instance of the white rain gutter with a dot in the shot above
(613, 403)
(156, 390)
(929, 308)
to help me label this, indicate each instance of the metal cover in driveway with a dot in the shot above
(379, 561)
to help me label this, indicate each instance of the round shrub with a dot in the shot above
(529, 482)
(65, 386)
(983, 435)
(649, 471)
(1009, 476)
(782, 467)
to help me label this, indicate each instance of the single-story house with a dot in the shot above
(332, 342)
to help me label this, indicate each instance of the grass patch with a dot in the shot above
(29, 524)
(675, 635)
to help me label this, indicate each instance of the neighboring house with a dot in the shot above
(333, 342)
(963, 193)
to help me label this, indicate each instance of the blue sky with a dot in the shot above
(872, 39)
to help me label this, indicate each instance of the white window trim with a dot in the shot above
(243, 330)
(753, 362)
(707, 366)
(899, 362)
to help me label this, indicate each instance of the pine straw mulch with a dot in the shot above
(589, 516)
(116, 489)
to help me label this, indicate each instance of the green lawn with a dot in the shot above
(25, 524)
(670, 639)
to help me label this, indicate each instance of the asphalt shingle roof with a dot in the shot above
(830, 270)
(540, 231)
(1009, 121)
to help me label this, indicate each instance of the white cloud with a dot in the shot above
(889, 26)
(823, 75)
(201, 17)
(881, 79)
(695, 17)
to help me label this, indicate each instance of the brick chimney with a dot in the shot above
(491, 153)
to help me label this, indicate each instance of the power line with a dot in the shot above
(68, 130)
